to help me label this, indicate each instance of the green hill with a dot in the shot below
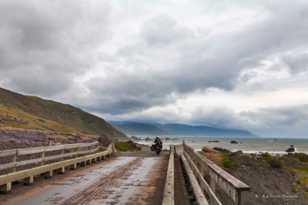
(28, 112)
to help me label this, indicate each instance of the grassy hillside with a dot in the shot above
(28, 112)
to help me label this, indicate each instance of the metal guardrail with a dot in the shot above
(212, 178)
(42, 154)
(6, 180)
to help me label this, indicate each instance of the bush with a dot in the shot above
(301, 156)
(274, 162)
(126, 146)
(267, 157)
(227, 162)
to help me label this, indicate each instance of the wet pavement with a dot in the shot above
(123, 180)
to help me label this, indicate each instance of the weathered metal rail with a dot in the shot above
(218, 186)
(91, 154)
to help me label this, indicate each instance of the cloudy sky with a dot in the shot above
(235, 64)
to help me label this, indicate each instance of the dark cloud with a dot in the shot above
(113, 58)
(163, 30)
(274, 122)
(297, 62)
(171, 59)
(280, 122)
(44, 45)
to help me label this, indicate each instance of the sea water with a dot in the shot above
(247, 145)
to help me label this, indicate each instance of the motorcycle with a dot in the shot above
(157, 148)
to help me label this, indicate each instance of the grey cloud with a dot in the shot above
(280, 122)
(170, 63)
(275, 122)
(297, 62)
(163, 30)
(217, 117)
(44, 45)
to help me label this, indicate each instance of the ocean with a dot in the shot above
(251, 145)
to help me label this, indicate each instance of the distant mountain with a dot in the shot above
(138, 128)
(33, 113)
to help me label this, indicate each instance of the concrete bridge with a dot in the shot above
(86, 173)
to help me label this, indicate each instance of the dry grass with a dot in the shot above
(14, 118)
(214, 156)
(302, 182)
(29, 112)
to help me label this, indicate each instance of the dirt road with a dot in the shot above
(123, 180)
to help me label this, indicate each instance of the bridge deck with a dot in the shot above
(123, 180)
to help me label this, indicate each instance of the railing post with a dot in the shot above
(50, 174)
(114, 150)
(62, 152)
(77, 150)
(238, 197)
(15, 160)
(43, 157)
(6, 187)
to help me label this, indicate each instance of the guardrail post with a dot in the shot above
(62, 170)
(114, 150)
(43, 157)
(62, 152)
(75, 166)
(6, 187)
(29, 180)
(238, 198)
(50, 173)
(15, 160)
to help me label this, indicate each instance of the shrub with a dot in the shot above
(301, 156)
(126, 146)
(267, 157)
(227, 162)
(275, 163)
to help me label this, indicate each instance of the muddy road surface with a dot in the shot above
(122, 180)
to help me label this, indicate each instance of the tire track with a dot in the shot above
(58, 189)
(140, 182)
(100, 188)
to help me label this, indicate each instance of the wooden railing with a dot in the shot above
(84, 153)
(219, 186)
(17, 158)
(168, 198)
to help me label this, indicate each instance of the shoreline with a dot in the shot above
(199, 145)
(274, 153)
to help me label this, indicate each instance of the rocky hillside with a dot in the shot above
(19, 112)
(274, 180)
